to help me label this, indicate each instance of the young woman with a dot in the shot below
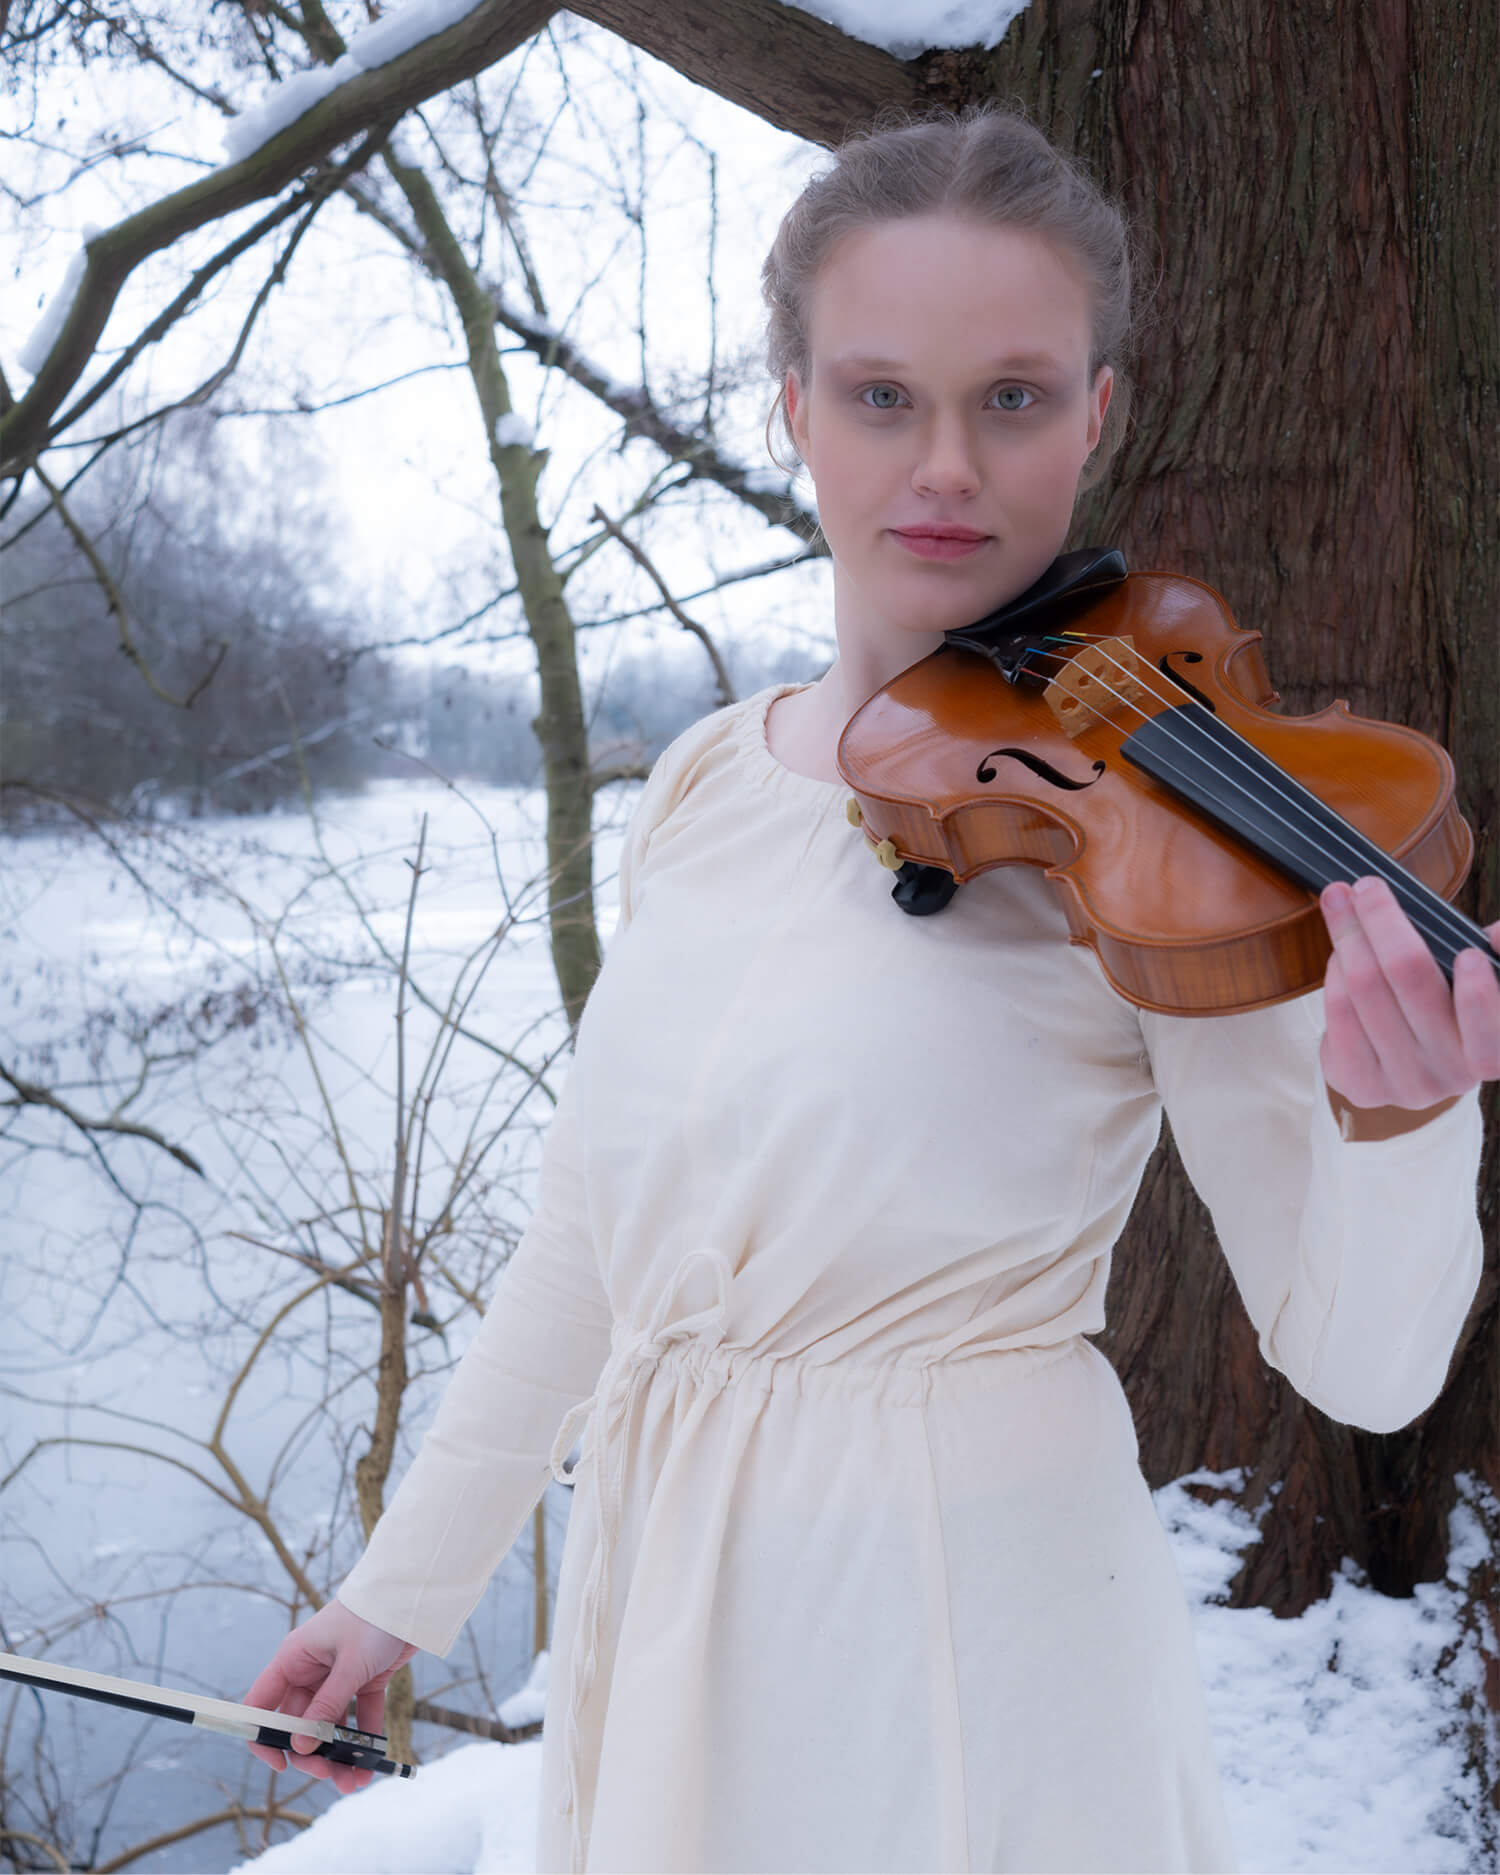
(862, 1573)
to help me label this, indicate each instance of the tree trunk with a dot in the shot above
(561, 728)
(1315, 437)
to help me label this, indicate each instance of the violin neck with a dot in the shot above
(1189, 750)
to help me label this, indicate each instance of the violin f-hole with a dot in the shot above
(985, 772)
(1188, 657)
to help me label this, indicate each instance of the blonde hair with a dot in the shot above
(983, 164)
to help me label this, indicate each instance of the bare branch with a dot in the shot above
(116, 602)
(28, 1094)
(778, 500)
(236, 1813)
(619, 771)
(638, 554)
(381, 96)
(317, 191)
(698, 452)
(21, 1835)
(470, 1722)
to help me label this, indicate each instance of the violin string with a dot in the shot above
(1425, 901)
(1394, 874)
(1458, 928)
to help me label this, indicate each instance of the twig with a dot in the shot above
(116, 602)
(721, 673)
(239, 1812)
(30, 1095)
(468, 1722)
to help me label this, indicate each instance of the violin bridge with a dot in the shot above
(1105, 681)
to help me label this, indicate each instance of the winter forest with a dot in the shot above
(384, 483)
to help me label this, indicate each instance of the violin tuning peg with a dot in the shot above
(886, 853)
(853, 812)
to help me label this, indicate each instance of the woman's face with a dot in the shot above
(946, 418)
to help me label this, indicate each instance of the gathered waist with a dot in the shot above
(909, 1378)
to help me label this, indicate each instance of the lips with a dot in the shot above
(940, 543)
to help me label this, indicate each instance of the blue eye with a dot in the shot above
(882, 396)
(1011, 391)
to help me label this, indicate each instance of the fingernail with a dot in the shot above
(1366, 885)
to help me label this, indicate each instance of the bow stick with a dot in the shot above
(343, 1743)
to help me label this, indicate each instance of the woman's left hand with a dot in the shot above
(1396, 1035)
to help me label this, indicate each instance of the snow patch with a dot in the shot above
(905, 28)
(512, 429)
(1468, 1544)
(375, 45)
(529, 1702)
(474, 1809)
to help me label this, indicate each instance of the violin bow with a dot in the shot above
(344, 1744)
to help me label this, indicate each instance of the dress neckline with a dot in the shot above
(769, 769)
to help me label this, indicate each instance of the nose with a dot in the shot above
(947, 464)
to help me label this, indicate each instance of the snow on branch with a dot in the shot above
(907, 28)
(477, 34)
(377, 44)
(55, 312)
(769, 491)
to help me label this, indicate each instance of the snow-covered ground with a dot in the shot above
(1338, 1733)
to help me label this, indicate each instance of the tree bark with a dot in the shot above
(786, 66)
(560, 727)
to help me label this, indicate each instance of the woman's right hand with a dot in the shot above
(333, 1657)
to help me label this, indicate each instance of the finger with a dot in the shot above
(1398, 992)
(270, 1688)
(272, 1691)
(1476, 1007)
(1348, 1061)
(331, 1701)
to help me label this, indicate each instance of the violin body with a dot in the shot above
(953, 765)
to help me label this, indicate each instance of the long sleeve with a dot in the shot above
(484, 1461)
(544, 1339)
(1357, 1260)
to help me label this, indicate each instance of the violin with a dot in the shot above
(1119, 730)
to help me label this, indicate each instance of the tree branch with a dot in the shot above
(776, 499)
(317, 191)
(699, 454)
(787, 67)
(434, 65)
(469, 1722)
(116, 602)
(28, 1094)
(236, 1813)
(638, 554)
(618, 771)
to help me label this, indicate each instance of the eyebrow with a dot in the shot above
(1035, 361)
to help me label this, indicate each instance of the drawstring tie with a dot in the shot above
(612, 1403)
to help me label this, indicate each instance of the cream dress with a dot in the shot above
(861, 1571)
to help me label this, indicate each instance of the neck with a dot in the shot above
(871, 652)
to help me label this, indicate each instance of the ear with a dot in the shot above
(1104, 385)
(796, 415)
